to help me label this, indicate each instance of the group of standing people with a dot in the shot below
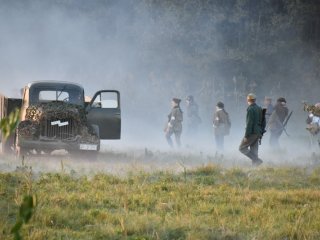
(272, 118)
(221, 121)
(258, 119)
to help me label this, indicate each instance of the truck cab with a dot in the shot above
(54, 115)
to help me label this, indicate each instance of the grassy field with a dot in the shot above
(205, 203)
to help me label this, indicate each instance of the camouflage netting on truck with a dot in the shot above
(56, 110)
(29, 128)
(39, 113)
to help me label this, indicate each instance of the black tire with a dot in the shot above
(8, 145)
(22, 152)
(40, 152)
(91, 155)
(84, 155)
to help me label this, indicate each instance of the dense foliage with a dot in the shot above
(231, 47)
(213, 49)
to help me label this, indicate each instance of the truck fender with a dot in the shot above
(95, 129)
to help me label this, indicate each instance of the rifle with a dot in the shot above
(286, 122)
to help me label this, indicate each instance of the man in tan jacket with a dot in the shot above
(174, 125)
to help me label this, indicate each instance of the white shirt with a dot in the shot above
(315, 119)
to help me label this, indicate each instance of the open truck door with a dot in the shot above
(105, 112)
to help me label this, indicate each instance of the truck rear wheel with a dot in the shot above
(7, 145)
(22, 152)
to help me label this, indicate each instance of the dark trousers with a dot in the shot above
(250, 147)
(177, 137)
(219, 141)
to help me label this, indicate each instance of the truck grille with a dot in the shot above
(59, 129)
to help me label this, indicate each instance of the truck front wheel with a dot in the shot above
(7, 145)
(22, 152)
(84, 155)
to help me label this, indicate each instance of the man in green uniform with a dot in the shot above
(250, 143)
(174, 125)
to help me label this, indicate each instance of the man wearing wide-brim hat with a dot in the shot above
(250, 143)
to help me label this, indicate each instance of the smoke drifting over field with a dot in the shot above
(155, 50)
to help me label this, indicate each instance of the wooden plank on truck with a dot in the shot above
(3, 106)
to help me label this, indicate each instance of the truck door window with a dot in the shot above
(106, 100)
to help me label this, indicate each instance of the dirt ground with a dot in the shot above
(133, 160)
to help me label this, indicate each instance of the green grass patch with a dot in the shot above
(206, 203)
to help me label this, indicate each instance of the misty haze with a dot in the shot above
(154, 59)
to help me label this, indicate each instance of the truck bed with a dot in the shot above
(7, 105)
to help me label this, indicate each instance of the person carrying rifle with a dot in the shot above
(276, 122)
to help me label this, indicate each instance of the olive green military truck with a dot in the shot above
(57, 115)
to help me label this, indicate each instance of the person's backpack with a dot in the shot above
(263, 121)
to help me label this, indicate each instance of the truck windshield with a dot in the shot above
(63, 94)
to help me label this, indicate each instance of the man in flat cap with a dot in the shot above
(276, 121)
(174, 125)
(250, 143)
